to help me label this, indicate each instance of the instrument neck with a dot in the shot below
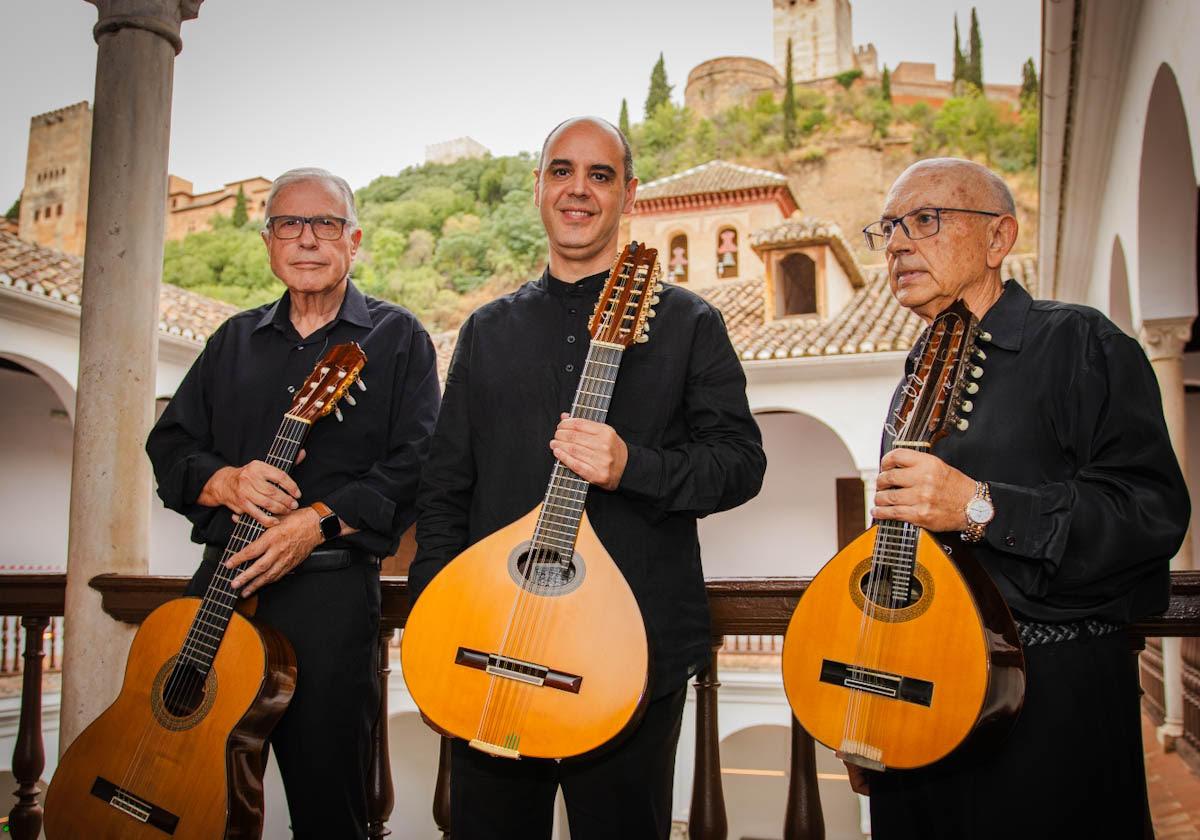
(895, 541)
(566, 494)
(220, 600)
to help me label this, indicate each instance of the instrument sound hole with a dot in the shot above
(184, 690)
(891, 592)
(546, 569)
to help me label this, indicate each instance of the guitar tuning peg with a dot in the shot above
(980, 355)
(337, 412)
(643, 338)
(650, 313)
(645, 331)
(972, 388)
(350, 399)
(967, 406)
(963, 424)
(985, 336)
(976, 371)
(654, 300)
(362, 386)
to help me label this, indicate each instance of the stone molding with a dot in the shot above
(162, 17)
(1165, 338)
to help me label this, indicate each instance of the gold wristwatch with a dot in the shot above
(980, 512)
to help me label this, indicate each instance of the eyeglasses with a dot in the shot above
(291, 227)
(921, 223)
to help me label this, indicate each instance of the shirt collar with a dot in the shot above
(353, 310)
(590, 285)
(1006, 319)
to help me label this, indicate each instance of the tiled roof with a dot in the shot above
(716, 176)
(52, 274)
(798, 232)
(873, 322)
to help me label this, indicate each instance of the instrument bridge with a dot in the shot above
(136, 807)
(518, 670)
(880, 683)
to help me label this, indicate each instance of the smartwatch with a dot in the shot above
(331, 526)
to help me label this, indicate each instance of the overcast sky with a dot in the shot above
(362, 86)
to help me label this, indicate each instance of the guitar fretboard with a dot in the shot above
(208, 628)
(895, 555)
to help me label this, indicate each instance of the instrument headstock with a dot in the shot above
(328, 383)
(936, 392)
(628, 297)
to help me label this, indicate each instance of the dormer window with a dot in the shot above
(677, 261)
(727, 253)
(797, 287)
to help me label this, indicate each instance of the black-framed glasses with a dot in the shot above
(921, 223)
(291, 227)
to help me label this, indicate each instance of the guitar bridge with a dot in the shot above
(136, 807)
(880, 683)
(518, 670)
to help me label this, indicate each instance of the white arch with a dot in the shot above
(1120, 308)
(63, 388)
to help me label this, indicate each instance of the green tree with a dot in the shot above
(240, 217)
(1029, 85)
(974, 70)
(960, 61)
(623, 121)
(660, 91)
(848, 78)
(14, 212)
(885, 84)
(789, 102)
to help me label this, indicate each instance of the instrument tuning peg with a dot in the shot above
(963, 424)
(650, 313)
(976, 371)
(654, 300)
(985, 336)
(972, 388)
(967, 406)
(350, 399)
(980, 355)
(643, 338)
(337, 412)
(362, 386)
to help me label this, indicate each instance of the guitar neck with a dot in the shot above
(208, 628)
(566, 494)
(895, 554)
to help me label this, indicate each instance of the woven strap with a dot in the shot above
(1036, 633)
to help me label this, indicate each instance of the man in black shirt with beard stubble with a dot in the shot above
(679, 443)
(1067, 484)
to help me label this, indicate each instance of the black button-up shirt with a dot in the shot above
(1068, 431)
(679, 404)
(229, 406)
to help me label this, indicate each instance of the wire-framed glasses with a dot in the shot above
(921, 223)
(290, 227)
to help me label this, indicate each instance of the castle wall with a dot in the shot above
(57, 166)
(722, 83)
(821, 35)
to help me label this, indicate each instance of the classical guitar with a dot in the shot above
(179, 753)
(899, 651)
(530, 642)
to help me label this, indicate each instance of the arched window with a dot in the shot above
(677, 260)
(58, 210)
(797, 286)
(37, 214)
(727, 253)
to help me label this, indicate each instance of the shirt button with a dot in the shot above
(1010, 541)
(572, 311)
(570, 339)
(570, 368)
(299, 346)
(291, 389)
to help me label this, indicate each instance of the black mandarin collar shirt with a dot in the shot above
(1068, 431)
(229, 406)
(679, 404)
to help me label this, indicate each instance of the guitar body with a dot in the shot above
(923, 678)
(589, 629)
(204, 769)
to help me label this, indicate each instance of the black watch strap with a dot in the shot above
(331, 526)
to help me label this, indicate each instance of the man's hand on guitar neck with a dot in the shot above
(281, 548)
(593, 451)
(923, 489)
(257, 489)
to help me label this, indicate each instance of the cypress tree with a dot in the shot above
(975, 58)
(1029, 85)
(789, 101)
(660, 91)
(240, 216)
(959, 61)
(623, 122)
(14, 212)
(885, 84)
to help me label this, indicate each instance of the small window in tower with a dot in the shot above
(797, 287)
(58, 210)
(37, 215)
(727, 254)
(677, 262)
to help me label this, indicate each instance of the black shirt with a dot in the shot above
(679, 404)
(1068, 431)
(229, 406)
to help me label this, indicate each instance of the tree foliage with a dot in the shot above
(14, 212)
(1029, 85)
(973, 72)
(789, 101)
(240, 217)
(885, 84)
(960, 61)
(623, 120)
(660, 91)
(848, 77)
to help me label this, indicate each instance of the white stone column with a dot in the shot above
(1164, 340)
(869, 476)
(110, 476)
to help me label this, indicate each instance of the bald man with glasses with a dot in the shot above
(316, 566)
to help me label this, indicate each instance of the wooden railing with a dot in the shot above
(742, 607)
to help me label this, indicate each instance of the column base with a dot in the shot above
(1167, 734)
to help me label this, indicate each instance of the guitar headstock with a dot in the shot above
(936, 392)
(328, 383)
(628, 297)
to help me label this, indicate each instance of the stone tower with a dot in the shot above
(54, 199)
(821, 38)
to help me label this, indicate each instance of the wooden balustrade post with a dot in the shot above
(29, 756)
(707, 818)
(381, 796)
(441, 791)
(804, 819)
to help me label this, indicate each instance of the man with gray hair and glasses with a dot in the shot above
(315, 568)
(1067, 485)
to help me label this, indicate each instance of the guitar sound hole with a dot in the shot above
(184, 690)
(891, 593)
(550, 570)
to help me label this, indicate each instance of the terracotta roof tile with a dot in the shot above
(716, 176)
(52, 274)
